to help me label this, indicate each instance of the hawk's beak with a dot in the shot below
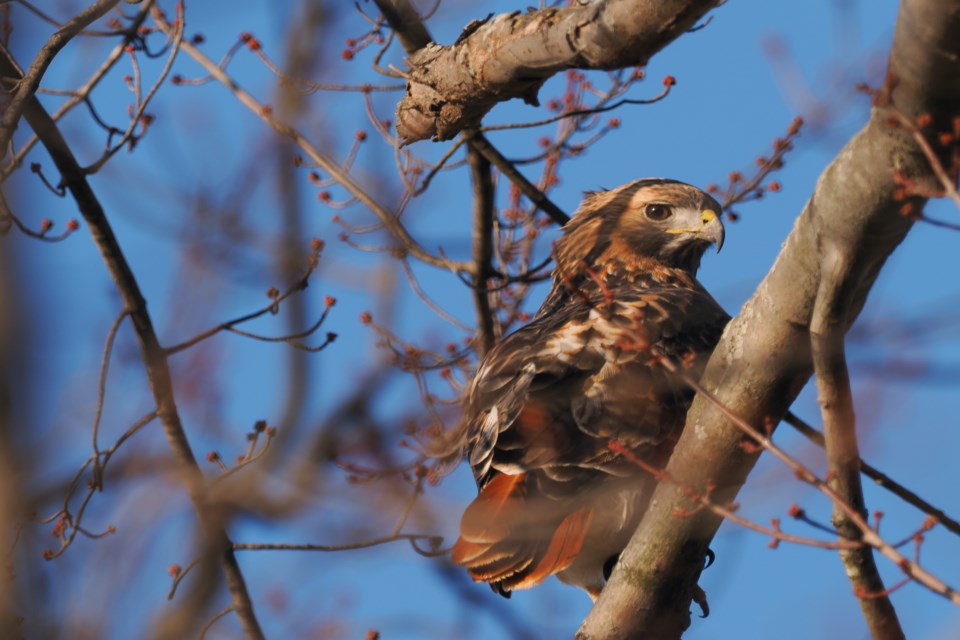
(711, 227)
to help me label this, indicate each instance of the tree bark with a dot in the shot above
(451, 88)
(763, 359)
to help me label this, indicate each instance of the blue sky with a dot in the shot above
(732, 99)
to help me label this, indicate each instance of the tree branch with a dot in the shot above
(451, 88)
(26, 85)
(483, 193)
(413, 35)
(387, 218)
(763, 359)
(839, 429)
(155, 361)
(880, 478)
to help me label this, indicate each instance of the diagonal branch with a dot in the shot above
(389, 219)
(763, 359)
(413, 34)
(23, 90)
(451, 88)
(155, 360)
(880, 478)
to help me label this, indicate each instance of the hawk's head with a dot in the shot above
(666, 220)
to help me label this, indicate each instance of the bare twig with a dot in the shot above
(213, 620)
(880, 478)
(479, 142)
(138, 117)
(703, 500)
(82, 94)
(867, 533)
(154, 358)
(388, 218)
(25, 86)
(273, 307)
(413, 538)
(102, 382)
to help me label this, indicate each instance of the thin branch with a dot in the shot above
(82, 94)
(880, 478)
(579, 112)
(102, 381)
(703, 500)
(479, 142)
(481, 176)
(23, 90)
(213, 620)
(273, 307)
(413, 538)
(868, 534)
(178, 576)
(138, 117)
(389, 219)
(155, 360)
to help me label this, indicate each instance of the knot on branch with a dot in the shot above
(448, 91)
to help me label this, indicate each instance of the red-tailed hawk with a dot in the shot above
(554, 497)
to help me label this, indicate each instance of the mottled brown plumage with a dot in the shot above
(546, 401)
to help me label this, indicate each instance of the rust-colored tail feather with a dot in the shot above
(492, 545)
(487, 520)
(564, 547)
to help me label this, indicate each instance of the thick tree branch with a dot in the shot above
(764, 359)
(413, 35)
(451, 88)
(154, 358)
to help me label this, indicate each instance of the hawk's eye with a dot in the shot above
(658, 211)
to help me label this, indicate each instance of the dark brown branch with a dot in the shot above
(479, 142)
(413, 538)
(763, 359)
(482, 176)
(155, 361)
(273, 307)
(512, 55)
(880, 478)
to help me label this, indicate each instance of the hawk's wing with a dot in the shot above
(544, 405)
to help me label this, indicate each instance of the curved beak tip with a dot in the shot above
(714, 226)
